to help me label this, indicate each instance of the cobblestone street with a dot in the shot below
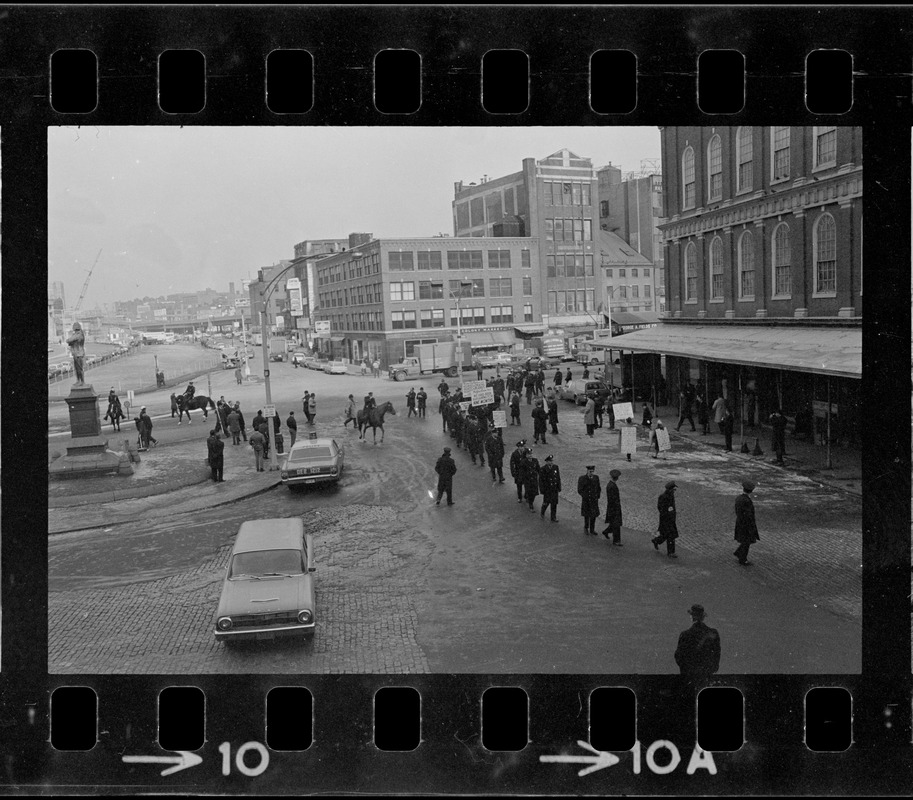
(404, 586)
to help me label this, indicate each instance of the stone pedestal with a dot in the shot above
(87, 450)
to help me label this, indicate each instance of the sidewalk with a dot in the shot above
(177, 470)
(803, 457)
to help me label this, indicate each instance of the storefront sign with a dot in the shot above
(322, 327)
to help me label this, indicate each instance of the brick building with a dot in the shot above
(387, 295)
(763, 257)
(554, 202)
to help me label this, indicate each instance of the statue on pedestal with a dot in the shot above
(76, 341)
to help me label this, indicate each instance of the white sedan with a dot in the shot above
(335, 368)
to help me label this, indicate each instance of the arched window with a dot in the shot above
(715, 169)
(716, 269)
(745, 156)
(782, 268)
(688, 178)
(825, 249)
(746, 266)
(690, 272)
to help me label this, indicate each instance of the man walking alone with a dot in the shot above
(445, 468)
(668, 532)
(746, 530)
(613, 509)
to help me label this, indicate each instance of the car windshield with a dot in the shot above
(310, 454)
(260, 563)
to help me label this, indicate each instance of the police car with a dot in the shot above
(311, 461)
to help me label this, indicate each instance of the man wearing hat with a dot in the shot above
(515, 472)
(589, 488)
(216, 449)
(540, 422)
(445, 468)
(146, 420)
(613, 509)
(746, 531)
(698, 651)
(529, 470)
(550, 486)
(494, 446)
(668, 532)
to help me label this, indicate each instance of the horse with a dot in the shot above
(375, 419)
(200, 401)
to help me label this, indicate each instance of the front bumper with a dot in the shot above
(246, 634)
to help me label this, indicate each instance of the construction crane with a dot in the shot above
(85, 286)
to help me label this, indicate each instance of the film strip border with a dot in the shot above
(560, 58)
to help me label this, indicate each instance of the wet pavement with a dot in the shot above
(484, 586)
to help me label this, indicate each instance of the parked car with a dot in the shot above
(268, 589)
(312, 460)
(577, 391)
(337, 367)
(298, 358)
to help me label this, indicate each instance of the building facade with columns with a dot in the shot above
(763, 259)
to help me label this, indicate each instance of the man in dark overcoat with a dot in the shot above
(422, 398)
(530, 383)
(216, 448)
(529, 468)
(698, 651)
(553, 414)
(558, 376)
(410, 403)
(589, 488)
(613, 509)
(668, 532)
(746, 530)
(778, 434)
(550, 486)
(458, 426)
(474, 436)
(540, 422)
(494, 446)
(515, 472)
(445, 468)
(443, 387)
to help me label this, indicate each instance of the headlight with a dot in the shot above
(334, 470)
(304, 617)
(224, 623)
(283, 474)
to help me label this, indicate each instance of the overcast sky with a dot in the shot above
(181, 209)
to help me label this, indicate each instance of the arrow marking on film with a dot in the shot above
(183, 760)
(597, 761)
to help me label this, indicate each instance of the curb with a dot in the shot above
(123, 494)
(203, 504)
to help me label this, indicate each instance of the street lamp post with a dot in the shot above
(265, 294)
(459, 348)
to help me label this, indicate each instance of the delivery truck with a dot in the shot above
(430, 358)
(278, 348)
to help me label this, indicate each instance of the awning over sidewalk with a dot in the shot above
(628, 319)
(531, 329)
(822, 351)
(489, 338)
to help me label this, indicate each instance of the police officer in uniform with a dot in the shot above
(515, 460)
(529, 468)
(589, 488)
(550, 486)
(445, 468)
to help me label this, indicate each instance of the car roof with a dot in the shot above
(320, 442)
(269, 534)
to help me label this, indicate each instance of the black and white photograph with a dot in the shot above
(448, 400)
